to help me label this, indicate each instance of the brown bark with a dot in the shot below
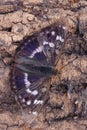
(22, 18)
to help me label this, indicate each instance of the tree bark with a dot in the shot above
(19, 19)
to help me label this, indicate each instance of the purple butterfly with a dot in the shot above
(35, 62)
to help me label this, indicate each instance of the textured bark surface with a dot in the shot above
(67, 106)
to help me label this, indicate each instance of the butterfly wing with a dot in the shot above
(31, 48)
(29, 89)
(53, 39)
(43, 47)
(46, 45)
(29, 86)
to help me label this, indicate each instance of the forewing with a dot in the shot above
(53, 39)
(46, 45)
(31, 48)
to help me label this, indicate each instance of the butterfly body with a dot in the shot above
(34, 63)
(34, 67)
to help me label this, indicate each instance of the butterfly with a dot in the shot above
(35, 63)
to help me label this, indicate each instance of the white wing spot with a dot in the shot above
(38, 101)
(47, 32)
(59, 38)
(34, 113)
(51, 44)
(48, 43)
(60, 26)
(37, 50)
(28, 90)
(53, 33)
(26, 81)
(20, 97)
(64, 27)
(28, 102)
(57, 51)
(23, 100)
(29, 40)
(25, 43)
(45, 43)
(14, 86)
(35, 92)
